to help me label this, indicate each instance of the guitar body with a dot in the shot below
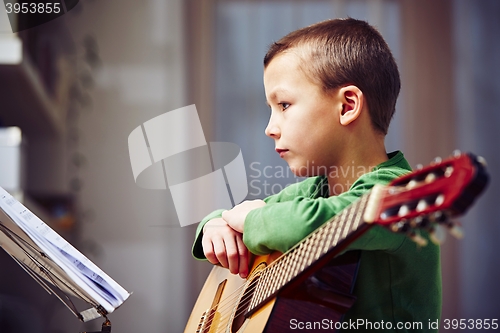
(309, 287)
(221, 304)
(226, 289)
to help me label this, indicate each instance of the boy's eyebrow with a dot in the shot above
(273, 94)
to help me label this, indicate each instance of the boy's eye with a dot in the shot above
(284, 106)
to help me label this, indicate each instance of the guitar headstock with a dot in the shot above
(429, 196)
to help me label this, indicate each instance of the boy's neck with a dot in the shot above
(356, 163)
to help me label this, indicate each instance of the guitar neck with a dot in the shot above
(309, 251)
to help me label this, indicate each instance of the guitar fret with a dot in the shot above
(287, 268)
(308, 254)
(303, 258)
(339, 227)
(276, 285)
(320, 242)
(300, 257)
(282, 274)
(281, 281)
(314, 243)
(335, 234)
(331, 229)
(278, 279)
(364, 201)
(273, 285)
(261, 287)
(350, 220)
(293, 268)
(328, 235)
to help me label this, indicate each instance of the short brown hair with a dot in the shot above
(348, 51)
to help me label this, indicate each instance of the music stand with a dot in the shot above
(54, 275)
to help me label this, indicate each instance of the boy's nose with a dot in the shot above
(272, 130)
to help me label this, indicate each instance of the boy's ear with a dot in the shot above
(352, 103)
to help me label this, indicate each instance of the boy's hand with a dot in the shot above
(222, 244)
(236, 216)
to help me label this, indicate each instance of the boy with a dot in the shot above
(332, 89)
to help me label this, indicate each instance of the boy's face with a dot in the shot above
(304, 122)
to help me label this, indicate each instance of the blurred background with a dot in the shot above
(77, 86)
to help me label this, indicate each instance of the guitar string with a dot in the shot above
(348, 227)
(248, 295)
(237, 293)
(245, 299)
(228, 313)
(226, 317)
(230, 297)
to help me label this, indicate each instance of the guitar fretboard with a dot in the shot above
(283, 270)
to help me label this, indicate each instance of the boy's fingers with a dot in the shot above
(208, 250)
(232, 253)
(243, 257)
(220, 253)
(224, 246)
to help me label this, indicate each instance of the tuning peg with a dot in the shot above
(421, 222)
(481, 161)
(430, 178)
(437, 235)
(448, 171)
(456, 230)
(457, 153)
(439, 217)
(422, 205)
(403, 210)
(401, 226)
(437, 160)
(419, 166)
(439, 200)
(421, 241)
(411, 184)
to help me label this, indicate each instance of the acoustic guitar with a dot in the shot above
(292, 285)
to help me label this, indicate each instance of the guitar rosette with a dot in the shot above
(170, 150)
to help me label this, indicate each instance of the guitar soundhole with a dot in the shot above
(244, 303)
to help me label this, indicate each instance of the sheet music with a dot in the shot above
(77, 275)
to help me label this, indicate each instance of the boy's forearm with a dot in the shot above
(279, 226)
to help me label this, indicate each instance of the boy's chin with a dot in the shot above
(301, 171)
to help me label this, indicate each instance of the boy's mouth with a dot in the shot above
(282, 152)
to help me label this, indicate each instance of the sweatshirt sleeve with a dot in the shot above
(287, 194)
(280, 225)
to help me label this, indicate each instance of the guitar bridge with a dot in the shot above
(210, 316)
